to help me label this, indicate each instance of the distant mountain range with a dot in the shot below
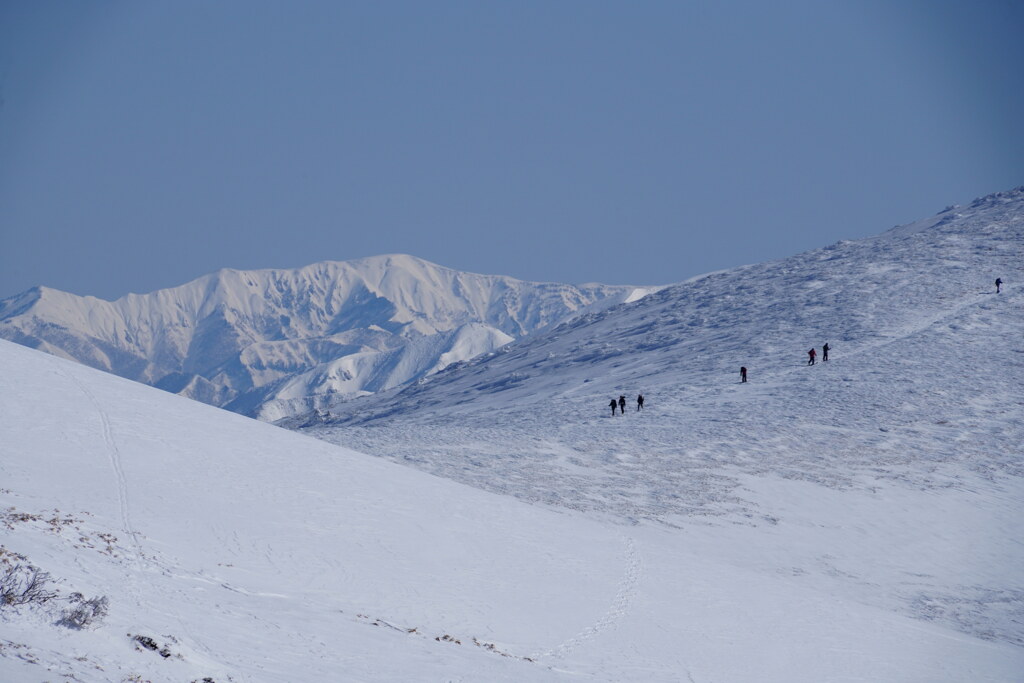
(270, 343)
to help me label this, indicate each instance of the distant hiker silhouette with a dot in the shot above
(622, 405)
(824, 352)
(810, 356)
(743, 374)
(999, 283)
(640, 402)
(612, 405)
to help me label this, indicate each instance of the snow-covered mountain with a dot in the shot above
(225, 549)
(888, 475)
(271, 341)
(869, 298)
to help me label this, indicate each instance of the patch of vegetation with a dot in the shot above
(24, 584)
(8, 557)
(84, 612)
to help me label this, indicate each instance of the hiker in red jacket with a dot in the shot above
(810, 356)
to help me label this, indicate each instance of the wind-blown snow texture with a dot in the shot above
(268, 342)
(899, 460)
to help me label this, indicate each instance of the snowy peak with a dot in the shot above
(230, 337)
(996, 201)
(1006, 197)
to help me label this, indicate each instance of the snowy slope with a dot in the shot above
(233, 337)
(249, 553)
(890, 476)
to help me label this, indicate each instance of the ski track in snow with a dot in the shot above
(114, 457)
(619, 607)
(138, 558)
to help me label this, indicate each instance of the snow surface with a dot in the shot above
(255, 554)
(257, 342)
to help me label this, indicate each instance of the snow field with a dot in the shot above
(256, 554)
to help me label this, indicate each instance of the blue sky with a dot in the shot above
(145, 144)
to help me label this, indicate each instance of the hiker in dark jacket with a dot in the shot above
(743, 374)
(824, 352)
(640, 402)
(999, 283)
(810, 356)
(622, 405)
(612, 405)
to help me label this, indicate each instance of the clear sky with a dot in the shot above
(143, 144)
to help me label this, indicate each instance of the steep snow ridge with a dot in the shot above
(248, 553)
(227, 338)
(917, 415)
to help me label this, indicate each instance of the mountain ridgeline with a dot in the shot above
(272, 342)
(871, 298)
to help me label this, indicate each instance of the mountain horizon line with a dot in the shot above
(394, 257)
